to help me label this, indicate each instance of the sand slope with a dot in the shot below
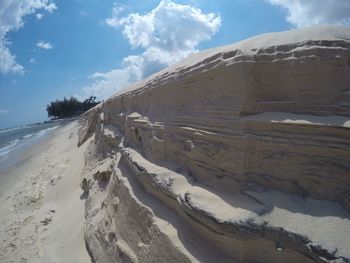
(236, 154)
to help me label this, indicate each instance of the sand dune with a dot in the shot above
(236, 154)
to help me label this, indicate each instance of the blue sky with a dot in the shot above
(52, 49)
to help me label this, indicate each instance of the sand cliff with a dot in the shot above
(236, 154)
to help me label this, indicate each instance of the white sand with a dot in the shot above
(283, 117)
(41, 212)
(247, 145)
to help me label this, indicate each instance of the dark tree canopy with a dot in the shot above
(69, 107)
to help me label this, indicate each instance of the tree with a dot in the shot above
(69, 107)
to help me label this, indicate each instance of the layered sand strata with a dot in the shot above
(238, 154)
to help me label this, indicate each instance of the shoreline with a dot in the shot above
(42, 213)
(18, 157)
(21, 139)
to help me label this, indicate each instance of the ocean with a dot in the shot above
(13, 141)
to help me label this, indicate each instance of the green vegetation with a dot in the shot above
(69, 107)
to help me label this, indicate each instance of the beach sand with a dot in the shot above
(42, 215)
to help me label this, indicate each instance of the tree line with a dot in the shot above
(69, 107)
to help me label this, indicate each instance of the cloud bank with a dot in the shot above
(302, 13)
(12, 13)
(167, 34)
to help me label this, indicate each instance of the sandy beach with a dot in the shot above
(42, 214)
(235, 154)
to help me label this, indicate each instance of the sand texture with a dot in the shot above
(42, 214)
(236, 154)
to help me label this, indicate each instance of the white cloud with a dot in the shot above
(302, 13)
(11, 19)
(32, 60)
(116, 11)
(3, 111)
(44, 45)
(39, 16)
(167, 34)
(170, 27)
(105, 84)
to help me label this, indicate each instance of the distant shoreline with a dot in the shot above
(62, 119)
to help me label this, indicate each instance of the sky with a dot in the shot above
(50, 49)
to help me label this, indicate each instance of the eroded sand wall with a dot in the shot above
(219, 141)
